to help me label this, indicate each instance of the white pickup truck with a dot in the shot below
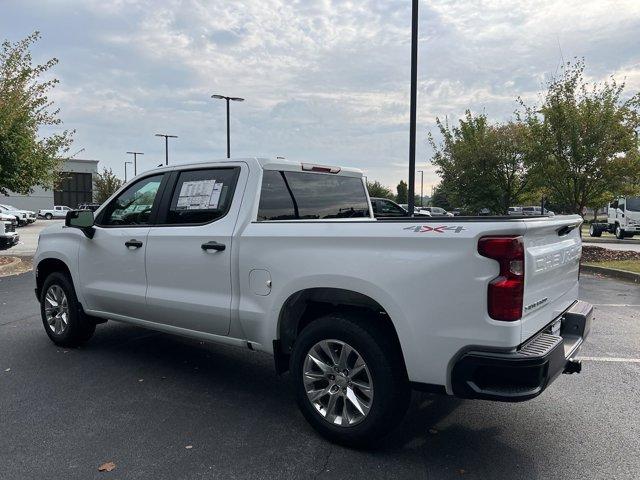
(288, 259)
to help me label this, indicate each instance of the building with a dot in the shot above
(75, 187)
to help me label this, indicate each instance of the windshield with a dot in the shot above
(633, 204)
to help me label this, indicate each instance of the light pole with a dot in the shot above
(228, 99)
(421, 172)
(412, 109)
(135, 161)
(166, 145)
(125, 170)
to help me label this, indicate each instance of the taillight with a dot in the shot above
(506, 291)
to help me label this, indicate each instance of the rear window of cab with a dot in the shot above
(303, 196)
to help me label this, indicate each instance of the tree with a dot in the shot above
(25, 110)
(105, 185)
(482, 165)
(585, 147)
(441, 198)
(378, 190)
(403, 194)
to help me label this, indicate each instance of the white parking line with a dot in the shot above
(609, 359)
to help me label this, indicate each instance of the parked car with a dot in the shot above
(58, 211)
(515, 210)
(288, 259)
(417, 210)
(8, 235)
(383, 207)
(22, 216)
(535, 210)
(438, 212)
(623, 219)
(89, 206)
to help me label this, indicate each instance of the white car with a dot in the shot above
(438, 212)
(288, 259)
(58, 211)
(22, 216)
(8, 235)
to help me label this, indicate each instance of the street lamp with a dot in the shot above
(412, 109)
(125, 170)
(166, 145)
(135, 161)
(421, 172)
(228, 99)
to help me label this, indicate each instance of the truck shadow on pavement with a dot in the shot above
(225, 397)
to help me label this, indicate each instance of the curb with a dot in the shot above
(612, 272)
(14, 262)
(607, 240)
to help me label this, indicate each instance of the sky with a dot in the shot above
(324, 81)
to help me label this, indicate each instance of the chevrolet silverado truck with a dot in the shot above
(287, 258)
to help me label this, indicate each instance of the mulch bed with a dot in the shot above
(599, 254)
(5, 260)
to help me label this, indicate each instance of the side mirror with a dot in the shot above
(82, 219)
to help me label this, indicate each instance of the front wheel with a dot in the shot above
(349, 379)
(619, 232)
(63, 319)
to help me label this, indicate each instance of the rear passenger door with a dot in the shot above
(189, 250)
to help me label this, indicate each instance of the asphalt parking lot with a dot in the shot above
(166, 407)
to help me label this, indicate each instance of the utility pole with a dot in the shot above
(421, 172)
(125, 170)
(135, 161)
(166, 145)
(412, 111)
(228, 99)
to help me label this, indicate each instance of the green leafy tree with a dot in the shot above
(378, 190)
(441, 198)
(403, 192)
(482, 165)
(105, 184)
(27, 159)
(584, 140)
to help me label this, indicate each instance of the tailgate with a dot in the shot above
(552, 260)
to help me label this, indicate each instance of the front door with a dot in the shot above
(112, 263)
(189, 250)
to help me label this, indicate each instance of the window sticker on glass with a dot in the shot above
(199, 195)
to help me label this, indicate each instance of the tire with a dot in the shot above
(78, 328)
(594, 232)
(48, 216)
(384, 372)
(619, 232)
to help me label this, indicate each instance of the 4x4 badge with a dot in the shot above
(440, 229)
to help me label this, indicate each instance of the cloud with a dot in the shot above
(324, 80)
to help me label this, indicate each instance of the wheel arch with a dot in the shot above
(306, 305)
(46, 267)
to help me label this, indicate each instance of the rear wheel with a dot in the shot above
(62, 316)
(594, 231)
(48, 216)
(349, 379)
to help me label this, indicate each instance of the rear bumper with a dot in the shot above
(526, 372)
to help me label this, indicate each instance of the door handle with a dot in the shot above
(133, 243)
(219, 247)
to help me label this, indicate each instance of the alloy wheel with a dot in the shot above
(56, 309)
(338, 382)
